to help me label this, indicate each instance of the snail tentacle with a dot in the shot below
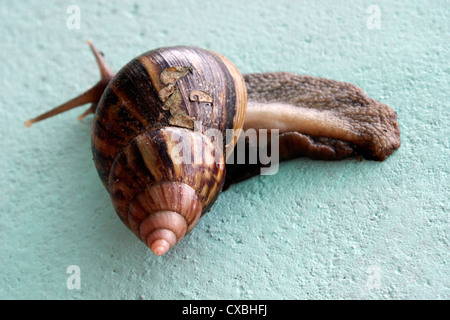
(92, 95)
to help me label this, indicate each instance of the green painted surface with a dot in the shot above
(315, 230)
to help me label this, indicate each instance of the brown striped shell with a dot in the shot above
(147, 115)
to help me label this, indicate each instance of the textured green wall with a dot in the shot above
(348, 229)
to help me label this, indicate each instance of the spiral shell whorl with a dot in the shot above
(163, 213)
(153, 191)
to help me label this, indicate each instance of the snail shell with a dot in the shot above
(144, 118)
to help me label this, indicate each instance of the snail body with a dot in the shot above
(152, 147)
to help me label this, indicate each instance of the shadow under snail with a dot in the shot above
(181, 92)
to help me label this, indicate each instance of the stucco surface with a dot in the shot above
(315, 230)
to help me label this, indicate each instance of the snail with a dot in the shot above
(151, 135)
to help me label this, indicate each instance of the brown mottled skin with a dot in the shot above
(317, 118)
(322, 108)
